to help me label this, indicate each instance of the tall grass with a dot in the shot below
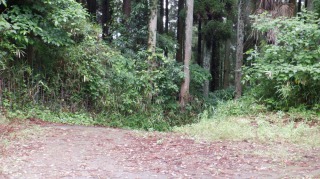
(244, 119)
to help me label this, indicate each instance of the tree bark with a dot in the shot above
(166, 29)
(239, 53)
(180, 31)
(167, 17)
(309, 5)
(199, 52)
(161, 15)
(184, 92)
(214, 65)
(152, 39)
(126, 8)
(226, 67)
(92, 7)
(294, 2)
(207, 52)
(299, 5)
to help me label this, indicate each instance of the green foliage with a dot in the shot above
(132, 34)
(220, 96)
(287, 73)
(217, 17)
(218, 29)
(244, 106)
(54, 22)
(55, 67)
(3, 2)
(198, 76)
(316, 6)
(245, 119)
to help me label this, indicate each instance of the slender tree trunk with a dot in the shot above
(92, 7)
(214, 65)
(166, 29)
(152, 39)
(126, 8)
(199, 57)
(152, 27)
(239, 53)
(184, 92)
(226, 70)
(167, 17)
(207, 52)
(106, 20)
(306, 4)
(309, 5)
(180, 31)
(160, 18)
(299, 5)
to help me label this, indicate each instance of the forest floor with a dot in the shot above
(35, 149)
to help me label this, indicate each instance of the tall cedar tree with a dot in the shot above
(180, 31)
(239, 53)
(184, 92)
(152, 39)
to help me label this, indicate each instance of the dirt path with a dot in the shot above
(58, 151)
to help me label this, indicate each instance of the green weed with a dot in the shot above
(240, 120)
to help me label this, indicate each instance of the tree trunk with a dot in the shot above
(309, 5)
(161, 15)
(199, 57)
(239, 53)
(166, 29)
(126, 8)
(106, 20)
(167, 17)
(152, 39)
(299, 5)
(207, 51)
(294, 2)
(226, 69)
(92, 7)
(180, 31)
(214, 65)
(184, 92)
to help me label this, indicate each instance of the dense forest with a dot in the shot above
(155, 64)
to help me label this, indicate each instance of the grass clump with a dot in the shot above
(245, 119)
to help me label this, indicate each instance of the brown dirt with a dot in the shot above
(41, 150)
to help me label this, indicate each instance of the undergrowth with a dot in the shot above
(154, 120)
(245, 119)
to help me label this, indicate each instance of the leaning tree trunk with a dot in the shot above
(184, 92)
(239, 53)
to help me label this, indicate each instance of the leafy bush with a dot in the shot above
(59, 65)
(287, 73)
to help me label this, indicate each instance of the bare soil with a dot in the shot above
(42, 150)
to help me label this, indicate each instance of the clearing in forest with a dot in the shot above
(34, 149)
